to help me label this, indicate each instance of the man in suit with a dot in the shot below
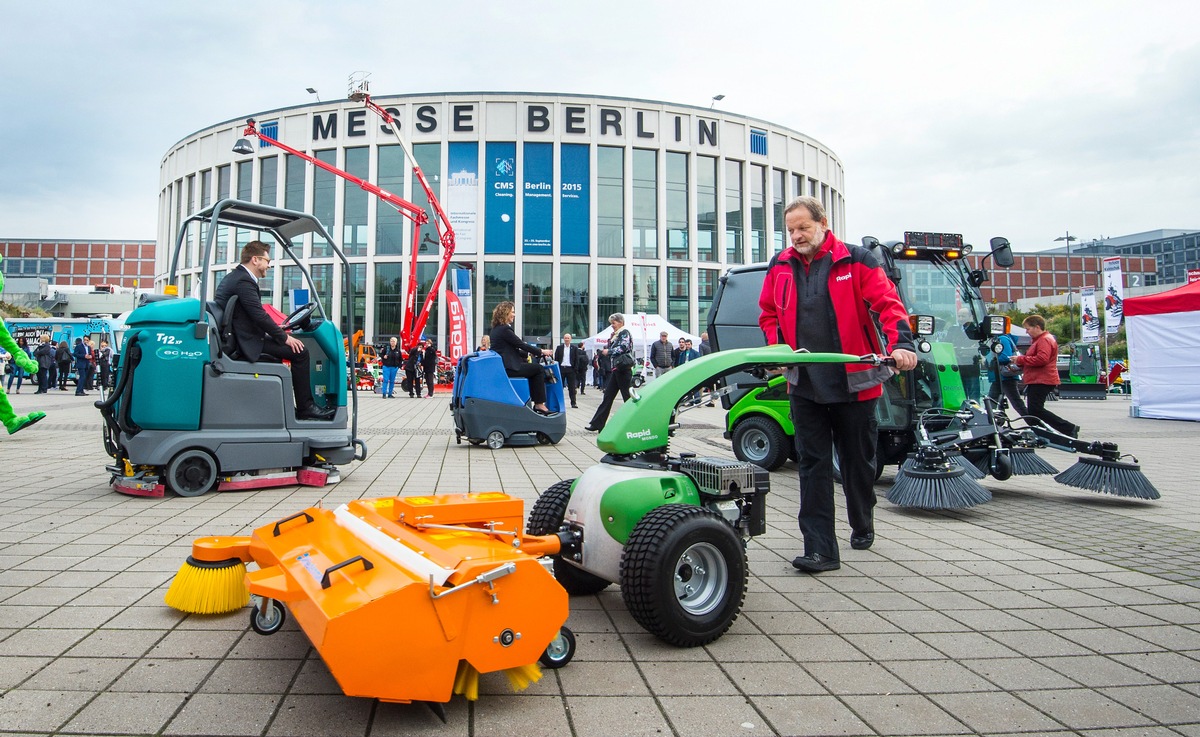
(258, 335)
(429, 362)
(571, 359)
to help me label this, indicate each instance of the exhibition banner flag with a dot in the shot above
(575, 207)
(500, 224)
(1088, 318)
(1114, 295)
(462, 195)
(458, 309)
(537, 199)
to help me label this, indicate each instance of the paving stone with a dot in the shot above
(78, 674)
(39, 711)
(224, 714)
(616, 716)
(126, 713)
(855, 678)
(994, 712)
(713, 715)
(1165, 704)
(903, 714)
(811, 715)
(1084, 709)
(315, 716)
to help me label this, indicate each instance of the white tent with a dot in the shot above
(645, 329)
(1164, 339)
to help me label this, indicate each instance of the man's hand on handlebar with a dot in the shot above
(905, 360)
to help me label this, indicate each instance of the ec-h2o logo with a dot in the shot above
(170, 353)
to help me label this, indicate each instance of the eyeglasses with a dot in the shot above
(265, 258)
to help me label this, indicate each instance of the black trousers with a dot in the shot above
(571, 379)
(300, 370)
(617, 381)
(1010, 390)
(1037, 394)
(537, 380)
(851, 426)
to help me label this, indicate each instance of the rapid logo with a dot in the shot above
(646, 434)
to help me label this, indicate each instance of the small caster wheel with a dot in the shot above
(560, 650)
(495, 440)
(268, 617)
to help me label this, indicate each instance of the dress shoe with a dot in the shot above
(862, 542)
(574, 406)
(589, 428)
(313, 412)
(815, 563)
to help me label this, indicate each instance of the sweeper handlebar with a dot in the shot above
(643, 423)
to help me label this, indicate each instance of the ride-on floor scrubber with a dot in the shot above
(189, 414)
(489, 406)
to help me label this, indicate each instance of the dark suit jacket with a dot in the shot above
(512, 349)
(251, 323)
(578, 357)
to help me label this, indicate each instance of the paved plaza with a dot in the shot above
(1048, 611)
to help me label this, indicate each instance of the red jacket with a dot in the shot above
(857, 286)
(1039, 365)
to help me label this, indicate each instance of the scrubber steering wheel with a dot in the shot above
(299, 317)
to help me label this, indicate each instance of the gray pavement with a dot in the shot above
(1047, 611)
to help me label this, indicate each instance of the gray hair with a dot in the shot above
(815, 209)
(618, 317)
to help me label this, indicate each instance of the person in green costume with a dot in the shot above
(12, 421)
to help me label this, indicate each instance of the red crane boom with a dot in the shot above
(413, 322)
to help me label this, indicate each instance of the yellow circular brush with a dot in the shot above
(203, 587)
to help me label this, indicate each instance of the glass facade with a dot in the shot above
(355, 203)
(610, 201)
(677, 206)
(734, 220)
(634, 208)
(574, 300)
(645, 203)
(534, 318)
(389, 223)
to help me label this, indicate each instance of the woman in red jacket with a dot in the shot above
(1040, 371)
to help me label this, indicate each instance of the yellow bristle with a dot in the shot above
(523, 676)
(466, 681)
(207, 588)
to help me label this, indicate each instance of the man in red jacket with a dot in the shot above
(1039, 368)
(824, 296)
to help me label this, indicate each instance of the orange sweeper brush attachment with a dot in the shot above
(405, 598)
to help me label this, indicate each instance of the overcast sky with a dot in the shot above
(1022, 119)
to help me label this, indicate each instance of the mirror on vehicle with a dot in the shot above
(870, 241)
(1002, 252)
(922, 324)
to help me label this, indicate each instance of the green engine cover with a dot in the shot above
(625, 503)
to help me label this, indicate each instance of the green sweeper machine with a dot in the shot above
(670, 529)
(937, 422)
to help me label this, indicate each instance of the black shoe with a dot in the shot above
(815, 563)
(574, 406)
(589, 428)
(313, 412)
(1075, 432)
(862, 542)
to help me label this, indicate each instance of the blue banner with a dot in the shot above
(500, 225)
(538, 199)
(462, 195)
(575, 208)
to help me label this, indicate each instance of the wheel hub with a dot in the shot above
(701, 579)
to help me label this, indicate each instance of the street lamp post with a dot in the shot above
(1070, 289)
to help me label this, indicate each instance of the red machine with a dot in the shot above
(413, 322)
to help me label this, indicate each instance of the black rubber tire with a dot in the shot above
(760, 440)
(661, 556)
(191, 473)
(545, 518)
(560, 651)
(270, 624)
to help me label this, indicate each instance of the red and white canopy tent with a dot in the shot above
(1163, 331)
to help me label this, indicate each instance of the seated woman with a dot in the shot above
(515, 353)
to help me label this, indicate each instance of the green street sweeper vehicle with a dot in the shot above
(936, 422)
(933, 279)
(670, 529)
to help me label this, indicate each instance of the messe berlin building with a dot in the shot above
(572, 206)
